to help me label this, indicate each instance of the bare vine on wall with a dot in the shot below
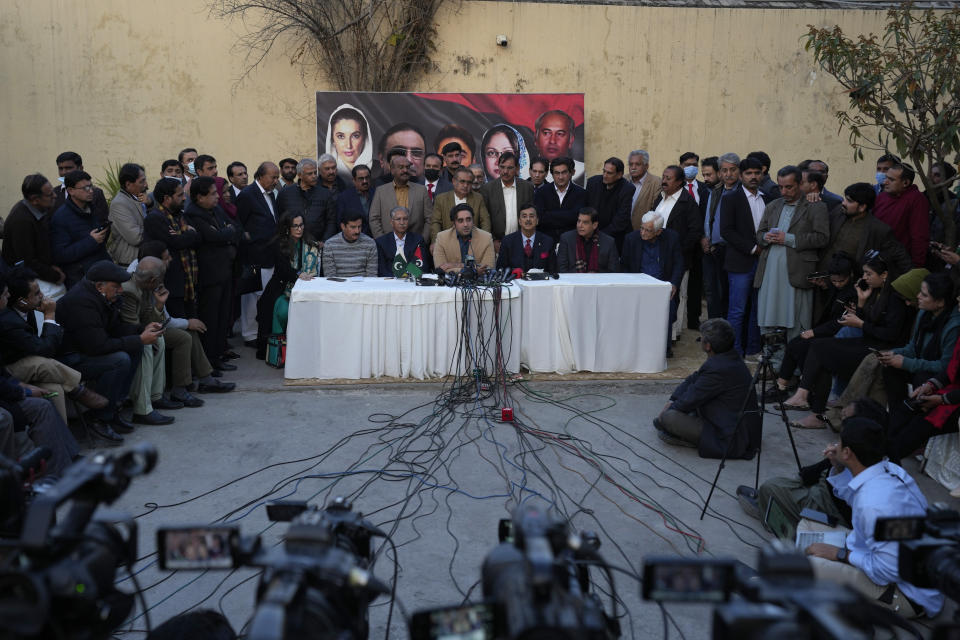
(359, 45)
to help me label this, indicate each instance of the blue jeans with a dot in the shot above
(113, 372)
(715, 282)
(743, 310)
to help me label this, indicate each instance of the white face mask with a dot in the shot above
(62, 180)
(191, 169)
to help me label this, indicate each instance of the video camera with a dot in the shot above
(536, 584)
(316, 585)
(57, 579)
(929, 548)
(16, 488)
(781, 599)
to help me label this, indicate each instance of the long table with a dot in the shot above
(373, 327)
(614, 322)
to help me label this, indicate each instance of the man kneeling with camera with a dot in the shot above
(706, 410)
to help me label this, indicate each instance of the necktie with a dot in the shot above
(690, 189)
(430, 191)
(273, 203)
(527, 249)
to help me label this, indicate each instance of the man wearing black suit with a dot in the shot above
(313, 202)
(435, 179)
(400, 241)
(703, 411)
(526, 249)
(586, 249)
(700, 192)
(612, 196)
(502, 197)
(656, 252)
(741, 211)
(559, 204)
(257, 212)
(70, 161)
(358, 197)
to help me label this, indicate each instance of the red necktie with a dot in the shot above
(690, 189)
(430, 191)
(527, 249)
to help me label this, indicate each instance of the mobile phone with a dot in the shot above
(199, 547)
(862, 285)
(51, 394)
(337, 279)
(166, 321)
(106, 225)
(818, 516)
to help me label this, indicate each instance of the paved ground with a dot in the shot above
(223, 461)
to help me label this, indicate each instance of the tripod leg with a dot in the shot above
(786, 424)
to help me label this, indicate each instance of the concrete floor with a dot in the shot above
(213, 461)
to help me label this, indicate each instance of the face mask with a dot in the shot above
(191, 169)
(690, 172)
(431, 174)
(62, 180)
(881, 177)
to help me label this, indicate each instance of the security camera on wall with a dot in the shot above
(502, 41)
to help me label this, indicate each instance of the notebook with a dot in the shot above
(835, 538)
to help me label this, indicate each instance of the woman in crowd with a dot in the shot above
(880, 313)
(498, 139)
(348, 140)
(931, 344)
(296, 256)
(840, 290)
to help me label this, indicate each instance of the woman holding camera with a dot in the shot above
(880, 313)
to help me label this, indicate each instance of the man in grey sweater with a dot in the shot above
(350, 253)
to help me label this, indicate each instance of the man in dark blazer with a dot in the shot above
(703, 411)
(257, 212)
(700, 192)
(504, 196)
(612, 196)
(26, 232)
(359, 197)
(526, 249)
(70, 161)
(388, 245)
(315, 203)
(77, 237)
(606, 260)
(435, 179)
(740, 213)
(559, 204)
(655, 251)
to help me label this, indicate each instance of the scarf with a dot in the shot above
(188, 257)
(588, 263)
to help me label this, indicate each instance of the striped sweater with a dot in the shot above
(345, 259)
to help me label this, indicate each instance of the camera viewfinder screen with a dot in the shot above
(206, 548)
(462, 623)
(690, 583)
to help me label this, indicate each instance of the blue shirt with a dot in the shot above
(883, 490)
(650, 259)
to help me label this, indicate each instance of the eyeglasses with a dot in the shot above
(88, 187)
(415, 152)
(297, 226)
(494, 153)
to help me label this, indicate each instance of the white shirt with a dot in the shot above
(561, 194)
(883, 490)
(757, 205)
(666, 206)
(510, 204)
(696, 190)
(458, 200)
(400, 242)
(268, 199)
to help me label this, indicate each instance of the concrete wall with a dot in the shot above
(119, 80)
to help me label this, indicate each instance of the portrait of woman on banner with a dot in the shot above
(498, 139)
(349, 140)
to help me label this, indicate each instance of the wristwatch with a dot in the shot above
(842, 555)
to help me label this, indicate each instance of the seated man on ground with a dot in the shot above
(526, 249)
(454, 246)
(704, 411)
(874, 488)
(100, 345)
(350, 252)
(586, 250)
(28, 352)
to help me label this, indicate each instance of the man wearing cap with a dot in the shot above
(874, 488)
(102, 347)
(453, 246)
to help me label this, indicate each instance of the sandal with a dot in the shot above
(792, 407)
(822, 422)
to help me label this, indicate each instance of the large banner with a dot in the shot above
(362, 127)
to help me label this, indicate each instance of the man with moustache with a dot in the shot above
(646, 187)
(559, 204)
(554, 136)
(315, 204)
(167, 224)
(400, 193)
(409, 141)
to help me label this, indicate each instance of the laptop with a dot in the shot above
(779, 521)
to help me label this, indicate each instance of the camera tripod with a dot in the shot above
(764, 374)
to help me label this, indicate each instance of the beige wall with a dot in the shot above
(137, 80)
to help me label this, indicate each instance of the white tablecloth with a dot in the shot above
(595, 322)
(372, 327)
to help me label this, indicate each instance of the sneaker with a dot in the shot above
(747, 498)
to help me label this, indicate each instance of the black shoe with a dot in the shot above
(152, 418)
(810, 475)
(188, 400)
(230, 354)
(261, 355)
(120, 425)
(224, 366)
(747, 497)
(216, 373)
(669, 352)
(216, 387)
(104, 432)
(167, 405)
(250, 343)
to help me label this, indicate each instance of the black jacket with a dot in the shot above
(716, 392)
(156, 226)
(28, 239)
(556, 218)
(317, 206)
(218, 247)
(670, 258)
(512, 255)
(350, 200)
(387, 249)
(70, 242)
(738, 230)
(685, 220)
(259, 224)
(99, 206)
(608, 258)
(613, 205)
(18, 339)
(91, 326)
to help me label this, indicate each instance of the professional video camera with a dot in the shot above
(16, 489)
(536, 584)
(57, 580)
(929, 548)
(316, 585)
(781, 599)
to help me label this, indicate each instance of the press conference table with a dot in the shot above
(372, 327)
